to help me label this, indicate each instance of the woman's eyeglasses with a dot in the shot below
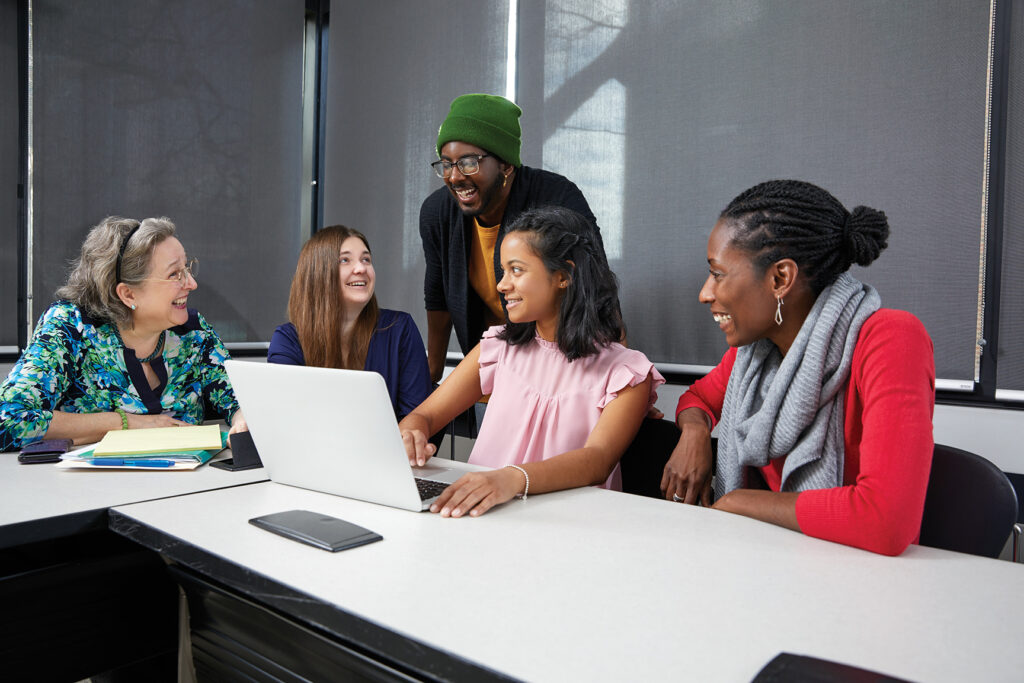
(181, 276)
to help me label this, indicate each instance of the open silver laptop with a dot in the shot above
(332, 431)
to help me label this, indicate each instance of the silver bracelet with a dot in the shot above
(526, 491)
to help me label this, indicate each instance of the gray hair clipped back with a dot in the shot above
(91, 285)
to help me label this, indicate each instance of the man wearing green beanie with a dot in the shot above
(486, 187)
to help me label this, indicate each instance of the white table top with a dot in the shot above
(38, 493)
(596, 585)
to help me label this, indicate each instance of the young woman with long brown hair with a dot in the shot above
(336, 322)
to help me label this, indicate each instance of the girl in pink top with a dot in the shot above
(566, 397)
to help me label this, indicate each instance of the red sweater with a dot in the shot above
(888, 435)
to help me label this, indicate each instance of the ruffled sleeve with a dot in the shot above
(491, 351)
(631, 368)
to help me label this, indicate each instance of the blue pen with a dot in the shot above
(119, 462)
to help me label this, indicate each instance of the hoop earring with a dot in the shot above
(778, 310)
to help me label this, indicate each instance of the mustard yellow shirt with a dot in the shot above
(481, 271)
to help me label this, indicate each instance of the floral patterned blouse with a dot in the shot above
(79, 365)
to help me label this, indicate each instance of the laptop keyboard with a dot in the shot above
(429, 489)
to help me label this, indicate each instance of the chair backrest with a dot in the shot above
(970, 506)
(644, 461)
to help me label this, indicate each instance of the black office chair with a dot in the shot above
(644, 461)
(466, 424)
(970, 506)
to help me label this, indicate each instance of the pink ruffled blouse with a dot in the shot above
(542, 405)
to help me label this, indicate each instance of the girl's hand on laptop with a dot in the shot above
(417, 447)
(477, 492)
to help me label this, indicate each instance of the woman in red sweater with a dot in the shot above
(823, 393)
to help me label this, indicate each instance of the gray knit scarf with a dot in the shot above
(793, 406)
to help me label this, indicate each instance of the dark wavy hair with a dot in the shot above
(793, 219)
(589, 316)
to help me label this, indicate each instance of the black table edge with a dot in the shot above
(51, 528)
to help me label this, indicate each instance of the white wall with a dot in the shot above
(994, 434)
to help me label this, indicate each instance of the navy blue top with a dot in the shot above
(396, 353)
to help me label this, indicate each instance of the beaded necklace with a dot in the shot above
(156, 352)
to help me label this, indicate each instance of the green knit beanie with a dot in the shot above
(487, 121)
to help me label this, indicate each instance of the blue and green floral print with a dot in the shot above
(78, 365)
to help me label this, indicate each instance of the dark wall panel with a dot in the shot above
(191, 110)
(9, 172)
(663, 111)
(394, 68)
(1011, 311)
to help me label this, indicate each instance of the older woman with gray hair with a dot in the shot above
(120, 349)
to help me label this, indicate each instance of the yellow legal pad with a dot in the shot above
(159, 440)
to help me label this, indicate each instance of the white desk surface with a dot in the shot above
(30, 493)
(596, 585)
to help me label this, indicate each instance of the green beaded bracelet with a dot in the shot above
(124, 417)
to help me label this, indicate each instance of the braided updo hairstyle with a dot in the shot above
(589, 316)
(792, 219)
